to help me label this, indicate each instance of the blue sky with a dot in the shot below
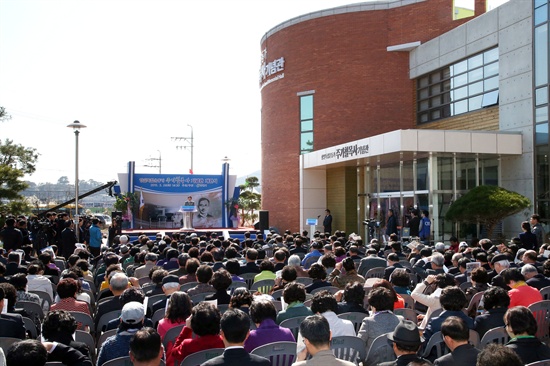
(137, 72)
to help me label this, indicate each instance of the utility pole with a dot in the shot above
(188, 144)
(152, 165)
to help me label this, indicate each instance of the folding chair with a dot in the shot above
(310, 261)
(263, 286)
(277, 294)
(31, 327)
(157, 317)
(278, 353)
(195, 299)
(349, 348)
(103, 337)
(436, 342)
(380, 351)
(377, 272)
(545, 292)
(235, 285)
(356, 318)
(541, 311)
(201, 357)
(304, 280)
(31, 308)
(105, 319)
(495, 335)
(189, 285)
(248, 278)
(172, 334)
(88, 339)
(84, 319)
(7, 342)
(293, 324)
(408, 314)
(409, 301)
(474, 303)
(120, 361)
(45, 299)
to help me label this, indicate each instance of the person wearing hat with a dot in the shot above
(406, 342)
(170, 284)
(131, 320)
(499, 262)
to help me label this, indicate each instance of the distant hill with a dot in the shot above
(257, 174)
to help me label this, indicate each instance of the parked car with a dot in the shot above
(104, 220)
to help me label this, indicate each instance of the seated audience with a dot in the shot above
(146, 348)
(521, 294)
(316, 334)
(263, 314)
(294, 296)
(31, 352)
(177, 312)
(406, 342)
(221, 280)
(339, 279)
(59, 326)
(132, 316)
(351, 299)
(241, 299)
(522, 328)
(11, 325)
(495, 304)
(205, 323)
(382, 320)
(67, 289)
(318, 273)
(235, 327)
(498, 355)
(204, 275)
(456, 334)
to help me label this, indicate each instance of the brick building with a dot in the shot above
(395, 104)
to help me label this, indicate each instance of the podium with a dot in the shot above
(188, 216)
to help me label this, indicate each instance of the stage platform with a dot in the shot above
(223, 233)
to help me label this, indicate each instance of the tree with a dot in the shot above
(249, 201)
(63, 180)
(15, 162)
(487, 205)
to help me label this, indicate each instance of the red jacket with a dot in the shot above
(185, 345)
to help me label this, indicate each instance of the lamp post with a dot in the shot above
(188, 140)
(76, 126)
(160, 162)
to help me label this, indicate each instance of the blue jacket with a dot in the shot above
(95, 236)
(425, 228)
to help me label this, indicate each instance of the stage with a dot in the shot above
(223, 233)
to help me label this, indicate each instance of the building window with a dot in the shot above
(306, 124)
(541, 24)
(465, 86)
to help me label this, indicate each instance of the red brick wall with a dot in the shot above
(361, 89)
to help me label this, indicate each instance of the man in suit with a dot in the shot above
(14, 264)
(533, 277)
(250, 266)
(372, 260)
(462, 276)
(455, 334)
(393, 263)
(11, 325)
(235, 329)
(316, 333)
(170, 284)
(327, 222)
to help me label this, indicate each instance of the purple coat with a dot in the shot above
(267, 332)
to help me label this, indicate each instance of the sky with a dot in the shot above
(137, 73)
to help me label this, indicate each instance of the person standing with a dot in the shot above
(537, 229)
(425, 228)
(414, 224)
(391, 223)
(11, 236)
(68, 239)
(95, 237)
(327, 222)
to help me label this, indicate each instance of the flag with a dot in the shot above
(141, 201)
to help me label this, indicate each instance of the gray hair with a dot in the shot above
(294, 260)
(504, 263)
(119, 281)
(438, 259)
(457, 256)
(528, 268)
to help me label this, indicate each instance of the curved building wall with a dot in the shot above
(360, 89)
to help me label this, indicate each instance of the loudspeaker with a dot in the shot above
(114, 214)
(264, 220)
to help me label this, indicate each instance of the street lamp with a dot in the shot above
(76, 126)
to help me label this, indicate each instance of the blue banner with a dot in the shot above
(184, 183)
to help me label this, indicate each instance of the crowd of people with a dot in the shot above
(168, 297)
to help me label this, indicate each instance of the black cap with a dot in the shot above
(406, 333)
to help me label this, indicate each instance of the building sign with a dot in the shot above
(164, 183)
(346, 151)
(271, 71)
